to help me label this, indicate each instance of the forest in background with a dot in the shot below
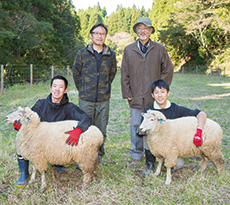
(51, 32)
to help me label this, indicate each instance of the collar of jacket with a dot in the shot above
(106, 49)
(63, 101)
(137, 49)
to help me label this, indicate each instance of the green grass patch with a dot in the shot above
(119, 182)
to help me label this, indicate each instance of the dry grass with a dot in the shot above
(119, 182)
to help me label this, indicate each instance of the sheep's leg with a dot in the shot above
(204, 162)
(43, 186)
(87, 178)
(218, 160)
(53, 172)
(169, 163)
(32, 175)
(88, 170)
(169, 176)
(158, 170)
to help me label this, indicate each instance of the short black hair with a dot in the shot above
(160, 84)
(60, 77)
(97, 25)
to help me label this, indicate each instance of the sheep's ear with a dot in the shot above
(21, 111)
(27, 109)
(20, 108)
(150, 111)
(142, 114)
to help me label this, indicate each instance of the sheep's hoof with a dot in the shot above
(84, 187)
(31, 181)
(156, 174)
(82, 191)
(42, 189)
(167, 182)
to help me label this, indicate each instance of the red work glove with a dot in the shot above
(17, 125)
(74, 136)
(197, 140)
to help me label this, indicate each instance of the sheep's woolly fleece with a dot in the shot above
(172, 139)
(45, 142)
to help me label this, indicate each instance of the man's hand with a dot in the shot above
(17, 125)
(197, 140)
(74, 136)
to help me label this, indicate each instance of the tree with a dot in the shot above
(7, 34)
(39, 31)
(160, 14)
(204, 21)
(88, 18)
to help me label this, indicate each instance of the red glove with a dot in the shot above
(197, 140)
(74, 136)
(17, 125)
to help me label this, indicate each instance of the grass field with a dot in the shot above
(119, 182)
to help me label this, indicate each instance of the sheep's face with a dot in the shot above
(151, 119)
(15, 115)
(148, 123)
(25, 115)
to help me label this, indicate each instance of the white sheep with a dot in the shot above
(45, 142)
(170, 139)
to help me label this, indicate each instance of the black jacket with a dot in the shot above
(175, 111)
(53, 112)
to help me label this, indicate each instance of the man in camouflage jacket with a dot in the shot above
(94, 69)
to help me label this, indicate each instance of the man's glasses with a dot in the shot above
(98, 34)
(142, 28)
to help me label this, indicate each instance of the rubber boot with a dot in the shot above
(179, 165)
(100, 161)
(150, 163)
(77, 167)
(59, 169)
(24, 168)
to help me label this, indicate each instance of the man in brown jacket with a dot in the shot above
(144, 62)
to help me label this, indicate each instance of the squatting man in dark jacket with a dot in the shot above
(144, 61)
(94, 69)
(56, 107)
(160, 93)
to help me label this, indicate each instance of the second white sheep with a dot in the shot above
(170, 139)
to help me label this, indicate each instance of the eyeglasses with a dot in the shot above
(142, 28)
(98, 34)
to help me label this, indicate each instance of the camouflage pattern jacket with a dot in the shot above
(93, 78)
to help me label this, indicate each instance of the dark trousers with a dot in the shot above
(99, 114)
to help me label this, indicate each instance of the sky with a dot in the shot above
(111, 5)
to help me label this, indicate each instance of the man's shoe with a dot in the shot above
(77, 167)
(148, 170)
(59, 169)
(179, 165)
(134, 162)
(150, 163)
(101, 162)
(24, 168)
